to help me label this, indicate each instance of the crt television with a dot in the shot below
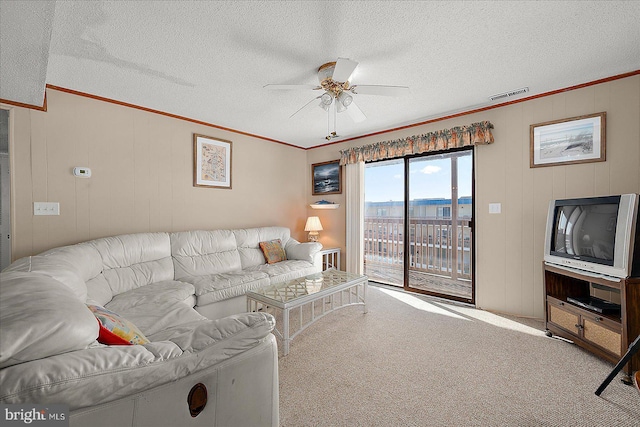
(594, 234)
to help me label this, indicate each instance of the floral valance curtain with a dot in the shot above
(460, 136)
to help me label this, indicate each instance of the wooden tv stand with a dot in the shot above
(607, 336)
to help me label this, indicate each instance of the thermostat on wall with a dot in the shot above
(82, 172)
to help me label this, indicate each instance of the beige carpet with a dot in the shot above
(414, 362)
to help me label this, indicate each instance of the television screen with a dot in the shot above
(586, 231)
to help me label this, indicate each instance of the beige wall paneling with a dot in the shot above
(544, 188)
(159, 156)
(61, 136)
(602, 170)
(21, 180)
(194, 207)
(491, 232)
(531, 296)
(623, 141)
(81, 136)
(579, 180)
(580, 102)
(145, 171)
(110, 157)
(142, 178)
(146, 128)
(530, 260)
(39, 174)
(513, 198)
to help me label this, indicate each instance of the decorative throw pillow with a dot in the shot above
(273, 251)
(114, 329)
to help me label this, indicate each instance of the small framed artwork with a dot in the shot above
(326, 178)
(211, 162)
(568, 141)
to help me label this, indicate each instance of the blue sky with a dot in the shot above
(430, 177)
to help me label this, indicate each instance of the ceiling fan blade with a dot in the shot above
(304, 106)
(291, 87)
(356, 113)
(380, 90)
(343, 70)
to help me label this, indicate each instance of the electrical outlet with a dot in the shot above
(46, 208)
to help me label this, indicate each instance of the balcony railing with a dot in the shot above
(434, 247)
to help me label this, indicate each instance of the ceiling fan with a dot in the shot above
(334, 81)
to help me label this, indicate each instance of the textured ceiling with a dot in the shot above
(209, 61)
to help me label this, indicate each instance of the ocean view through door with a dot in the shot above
(424, 204)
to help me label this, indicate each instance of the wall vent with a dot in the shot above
(509, 94)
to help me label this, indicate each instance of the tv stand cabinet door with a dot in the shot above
(603, 333)
(562, 316)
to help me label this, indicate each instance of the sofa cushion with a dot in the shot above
(217, 287)
(273, 251)
(134, 260)
(197, 253)
(285, 270)
(249, 239)
(98, 290)
(115, 329)
(306, 251)
(70, 265)
(41, 317)
(157, 306)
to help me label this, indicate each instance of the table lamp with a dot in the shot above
(313, 226)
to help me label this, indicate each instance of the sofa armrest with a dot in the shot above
(307, 251)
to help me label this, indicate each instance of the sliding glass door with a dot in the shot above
(440, 224)
(424, 204)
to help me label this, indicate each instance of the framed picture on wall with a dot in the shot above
(326, 178)
(568, 141)
(211, 162)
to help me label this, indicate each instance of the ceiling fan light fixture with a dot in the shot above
(345, 99)
(335, 83)
(326, 98)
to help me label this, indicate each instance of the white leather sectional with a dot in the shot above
(184, 291)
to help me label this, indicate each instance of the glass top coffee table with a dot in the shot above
(314, 296)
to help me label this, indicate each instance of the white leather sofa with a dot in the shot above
(184, 292)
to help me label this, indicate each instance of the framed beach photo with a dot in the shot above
(326, 178)
(211, 162)
(568, 141)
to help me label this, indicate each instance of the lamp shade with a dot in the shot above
(313, 224)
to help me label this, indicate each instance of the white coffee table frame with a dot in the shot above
(335, 287)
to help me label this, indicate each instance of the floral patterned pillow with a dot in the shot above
(116, 330)
(273, 251)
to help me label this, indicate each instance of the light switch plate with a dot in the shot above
(495, 208)
(46, 208)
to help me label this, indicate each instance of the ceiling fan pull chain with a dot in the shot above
(328, 137)
(335, 120)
